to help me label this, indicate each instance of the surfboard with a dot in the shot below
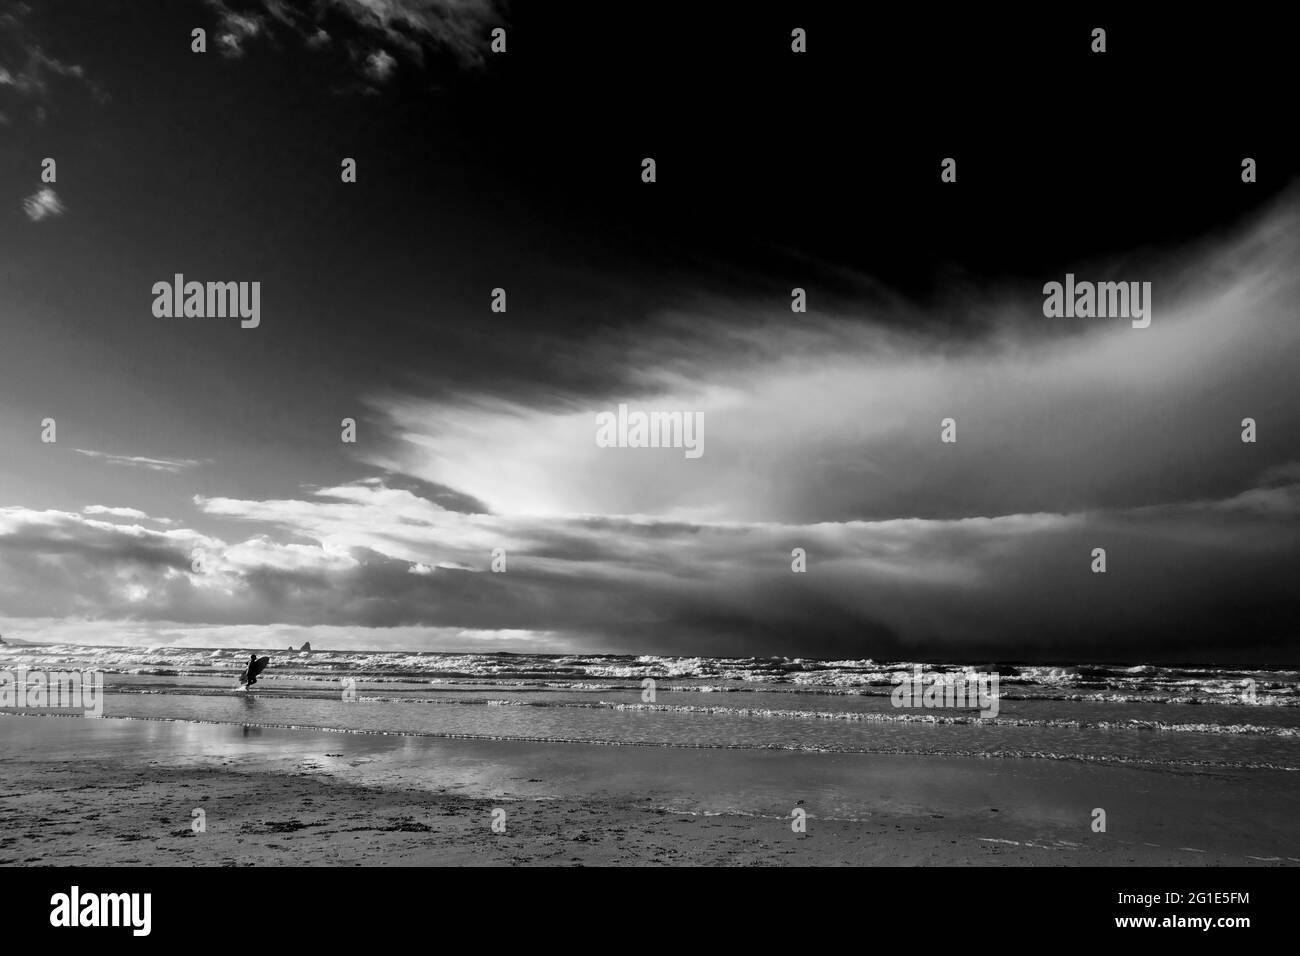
(250, 673)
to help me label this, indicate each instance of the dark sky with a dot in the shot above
(774, 170)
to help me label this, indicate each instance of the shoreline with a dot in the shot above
(287, 797)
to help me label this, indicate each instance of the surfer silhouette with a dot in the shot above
(255, 666)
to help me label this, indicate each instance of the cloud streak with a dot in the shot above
(170, 465)
(835, 416)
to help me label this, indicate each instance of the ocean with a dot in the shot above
(1129, 714)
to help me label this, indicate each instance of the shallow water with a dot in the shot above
(1125, 714)
(1247, 812)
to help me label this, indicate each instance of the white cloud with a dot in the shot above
(43, 204)
(389, 521)
(262, 552)
(116, 512)
(367, 554)
(380, 66)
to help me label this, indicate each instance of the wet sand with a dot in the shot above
(122, 792)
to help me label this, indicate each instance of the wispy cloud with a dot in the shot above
(372, 32)
(128, 514)
(43, 204)
(33, 78)
(459, 27)
(172, 465)
(835, 415)
(30, 71)
(234, 29)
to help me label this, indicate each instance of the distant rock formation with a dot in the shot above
(306, 647)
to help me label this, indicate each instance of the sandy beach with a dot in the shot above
(125, 792)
